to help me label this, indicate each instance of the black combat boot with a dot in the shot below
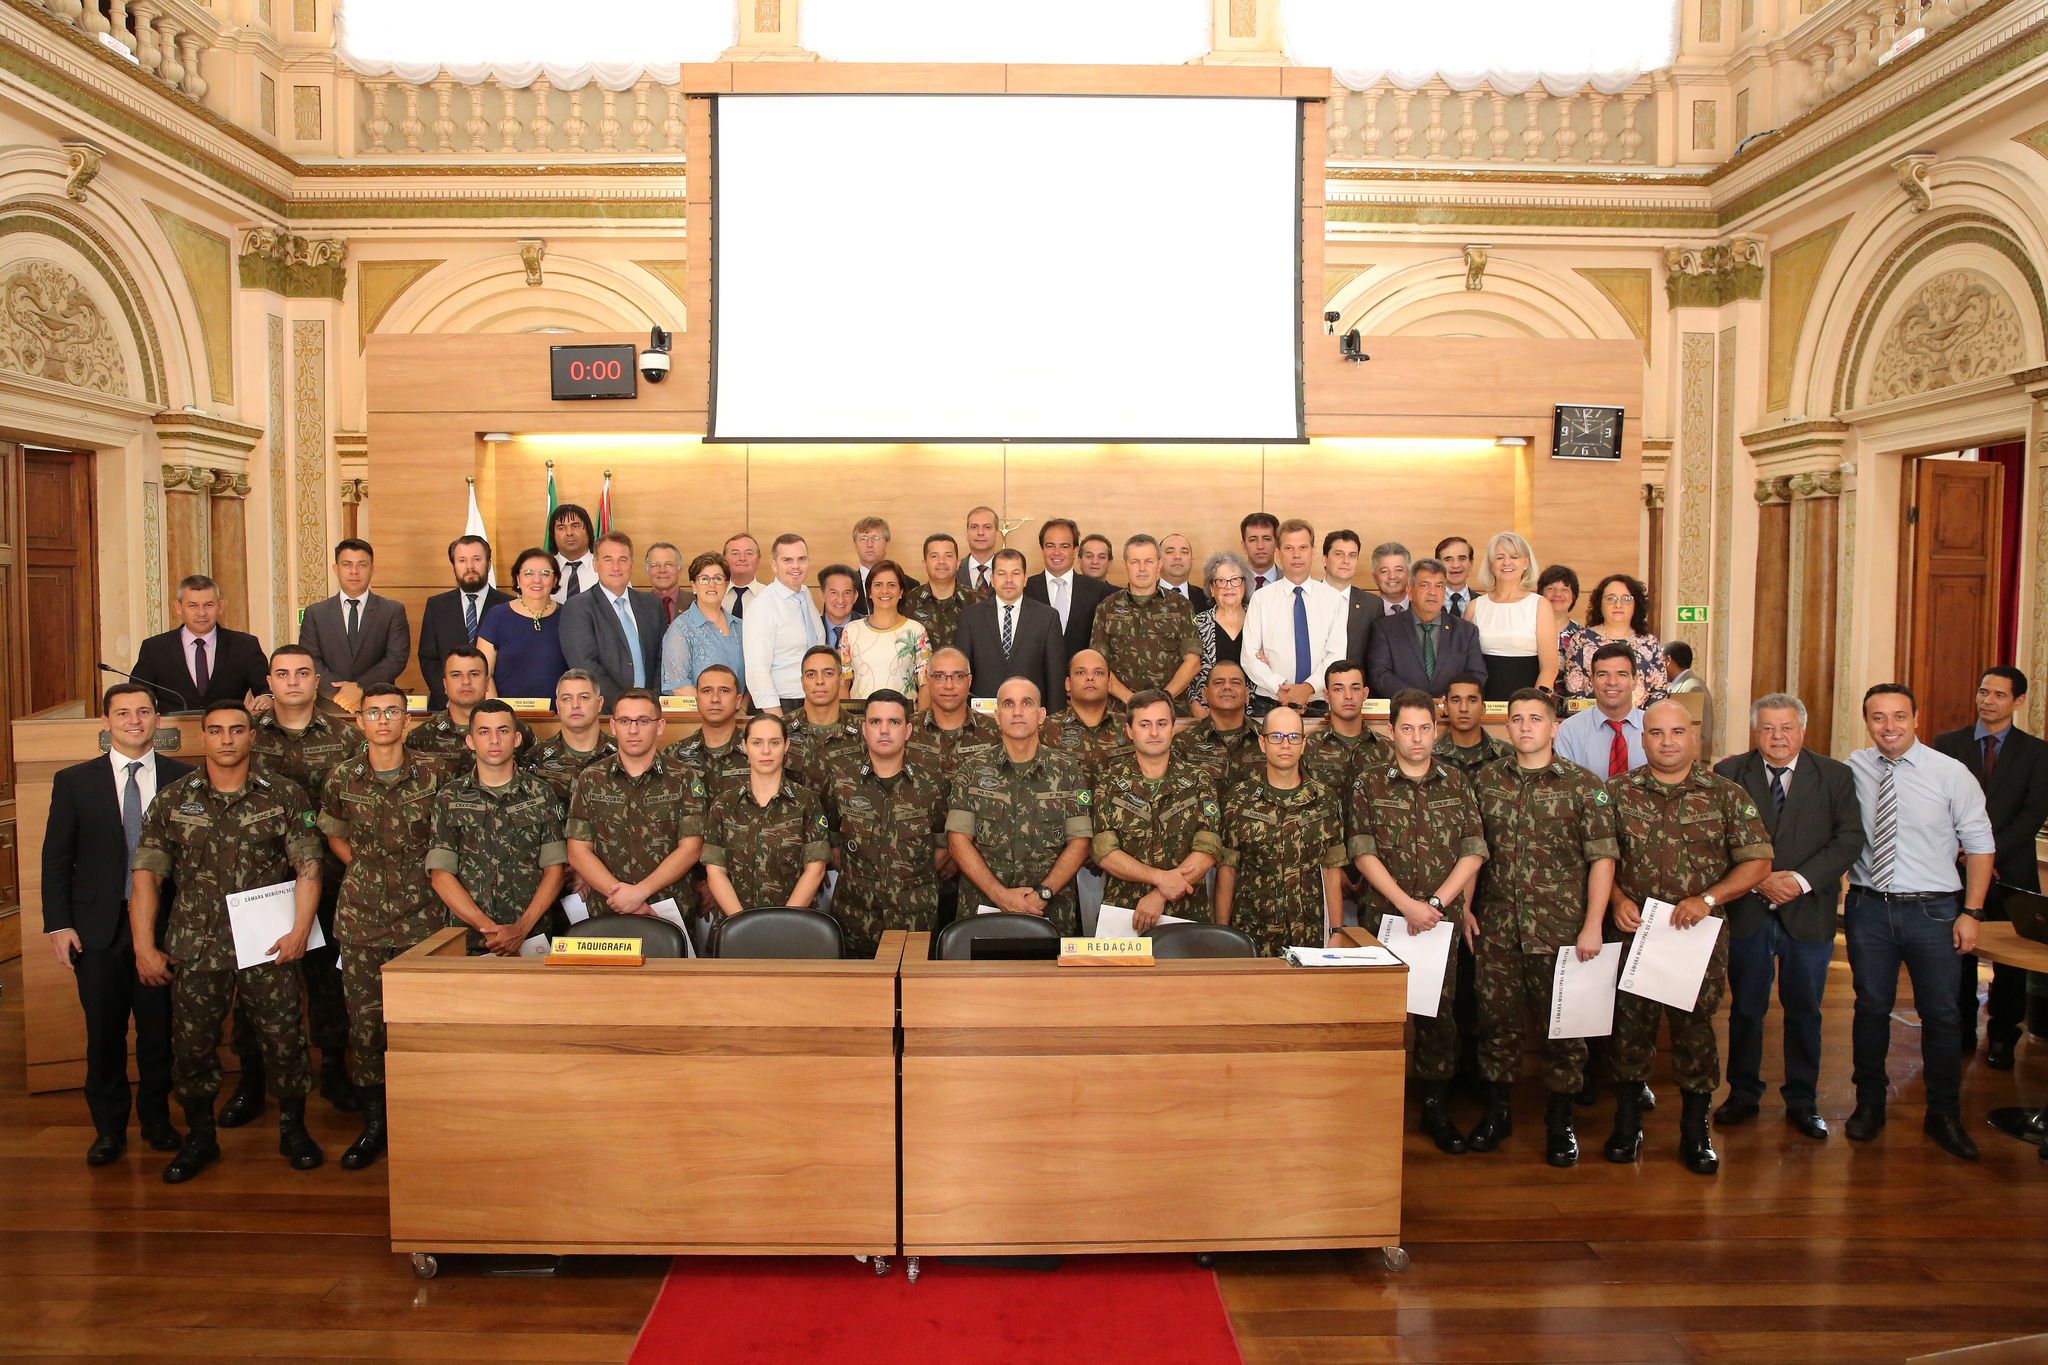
(366, 1148)
(293, 1140)
(1696, 1133)
(1498, 1121)
(201, 1147)
(246, 1104)
(335, 1086)
(1436, 1118)
(1561, 1144)
(1627, 1138)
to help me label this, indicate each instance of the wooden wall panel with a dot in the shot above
(918, 489)
(1199, 491)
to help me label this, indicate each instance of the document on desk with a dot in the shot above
(1340, 957)
(537, 946)
(665, 908)
(263, 916)
(1117, 921)
(574, 908)
(1427, 955)
(1666, 963)
(1582, 993)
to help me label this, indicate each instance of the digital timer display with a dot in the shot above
(594, 371)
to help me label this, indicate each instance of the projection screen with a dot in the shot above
(1005, 267)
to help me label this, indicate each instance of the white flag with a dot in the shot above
(475, 525)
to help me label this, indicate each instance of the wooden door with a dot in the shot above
(13, 674)
(1949, 616)
(58, 580)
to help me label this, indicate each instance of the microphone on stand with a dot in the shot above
(177, 706)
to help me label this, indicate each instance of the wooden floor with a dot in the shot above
(1797, 1252)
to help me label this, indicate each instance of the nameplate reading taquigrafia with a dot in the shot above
(1128, 952)
(571, 951)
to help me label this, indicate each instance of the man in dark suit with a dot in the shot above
(95, 818)
(1786, 927)
(1068, 591)
(1176, 563)
(357, 638)
(202, 661)
(451, 618)
(1421, 645)
(1036, 648)
(2012, 768)
(595, 637)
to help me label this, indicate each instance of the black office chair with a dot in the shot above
(775, 931)
(955, 942)
(1200, 940)
(658, 938)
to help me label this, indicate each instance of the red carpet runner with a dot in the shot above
(744, 1310)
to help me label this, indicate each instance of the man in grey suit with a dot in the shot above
(1786, 927)
(1033, 645)
(613, 631)
(1422, 645)
(356, 637)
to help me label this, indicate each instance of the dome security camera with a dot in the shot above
(654, 362)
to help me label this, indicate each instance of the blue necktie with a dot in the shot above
(632, 639)
(469, 616)
(131, 811)
(1301, 658)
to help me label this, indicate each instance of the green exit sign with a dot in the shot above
(1692, 616)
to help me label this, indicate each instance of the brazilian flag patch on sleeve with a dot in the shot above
(1601, 798)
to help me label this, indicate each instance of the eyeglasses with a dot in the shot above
(872, 539)
(635, 721)
(708, 578)
(1287, 739)
(949, 677)
(1611, 600)
(383, 713)
(1224, 582)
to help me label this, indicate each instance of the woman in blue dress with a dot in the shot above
(523, 638)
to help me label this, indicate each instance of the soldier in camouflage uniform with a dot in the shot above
(1465, 745)
(226, 828)
(1223, 741)
(1413, 829)
(497, 858)
(824, 731)
(766, 842)
(1551, 833)
(378, 815)
(299, 742)
(948, 732)
(1694, 839)
(580, 742)
(1086, 729)
(888, 822)
(1018, 821)
(1157, 822)
(466, 676)
(1278, 880)
(1345, 744)
(1147, 637)
(940, 616)
(636, 819)
(714, 752)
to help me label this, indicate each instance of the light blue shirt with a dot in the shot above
(781, 624)
(622, 607)
(1940, 811)
(1586, 740)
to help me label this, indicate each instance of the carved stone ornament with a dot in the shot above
(51, 329)
(289, 248)
(1958, 328)
(84, 164)
(1912, 171)
(532, 250)
(1773, 490)
(227, 483)
(1806, 486)
(1653, 496)
(1709, 276)
(1475, 267)
(355, 491)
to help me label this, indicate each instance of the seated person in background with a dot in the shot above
(765, 840)
(1619, 614)
(1679, 677)
(839, 592)
(1219, 627)
(497, 858)
(1224, 741)
(466, 680)
(522, 639)
(823, 729)
(884, 649)
(1147, 636)
(581, 740)
(1086, 729)
(714, 752)
(1018, 819)
(1096, 552)
(1465, 744)
(636, 819)
(1157, 822)
(939, 600)
(703, 633)
(1280, 879)
(1421, 647)
(888, 819)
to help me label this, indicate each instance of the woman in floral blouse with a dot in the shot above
(885, 648)
(1619, 613)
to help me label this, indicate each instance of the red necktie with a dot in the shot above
(1990, 757)
(1617, 752)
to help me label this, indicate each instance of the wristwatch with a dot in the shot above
(1435, 904)
(1709, 899)
(1045, 893)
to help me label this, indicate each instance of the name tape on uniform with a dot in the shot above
(1130, 952)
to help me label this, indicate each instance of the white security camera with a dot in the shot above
(654, 363)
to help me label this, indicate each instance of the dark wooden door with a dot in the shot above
(13, 666)
(58, 577)
(1951, 567)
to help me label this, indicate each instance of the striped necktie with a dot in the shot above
(1884, 830)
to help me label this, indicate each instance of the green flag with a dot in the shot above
(547, 528)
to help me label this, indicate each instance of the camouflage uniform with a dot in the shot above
(1676, 841)
(815, 749)
(1021, 816)
(442, 738)
(1546, 828)
(212, 844)
(944, 750)
(885, 830)
(387, 902)
(1419, 829)
(1280, 843)
(764, 849)
(497, 841)
(1088, 745)
(1335, 760)
(1146, 639)
(940, 618)
(1470, 760)
(558, 764)
(1159, 823)
(1230, 756)
(306, 757)
(633, 823)
(718, 765)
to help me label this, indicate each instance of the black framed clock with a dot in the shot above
(1583, 431)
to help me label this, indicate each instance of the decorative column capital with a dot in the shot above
(355, 491)
(180, 478)
(228, 483)
(1815, 485)
(1709, 276)
(1777, 490)
(1653, 496)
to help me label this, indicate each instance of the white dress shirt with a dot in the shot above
(1059, 590)
(1178, 589)
(732, 594)
(781, 624)
(972, 570)
(362, 607)
(1269, 630)
(1787, 769)
(586, 575)
(1940, 814)
(145, 776)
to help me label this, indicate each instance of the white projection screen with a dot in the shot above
(1005, 268)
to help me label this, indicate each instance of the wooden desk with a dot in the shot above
(1190, 1105)
(1998, 941)
(675, 1107)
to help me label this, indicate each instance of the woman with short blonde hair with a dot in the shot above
(1517, 625)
